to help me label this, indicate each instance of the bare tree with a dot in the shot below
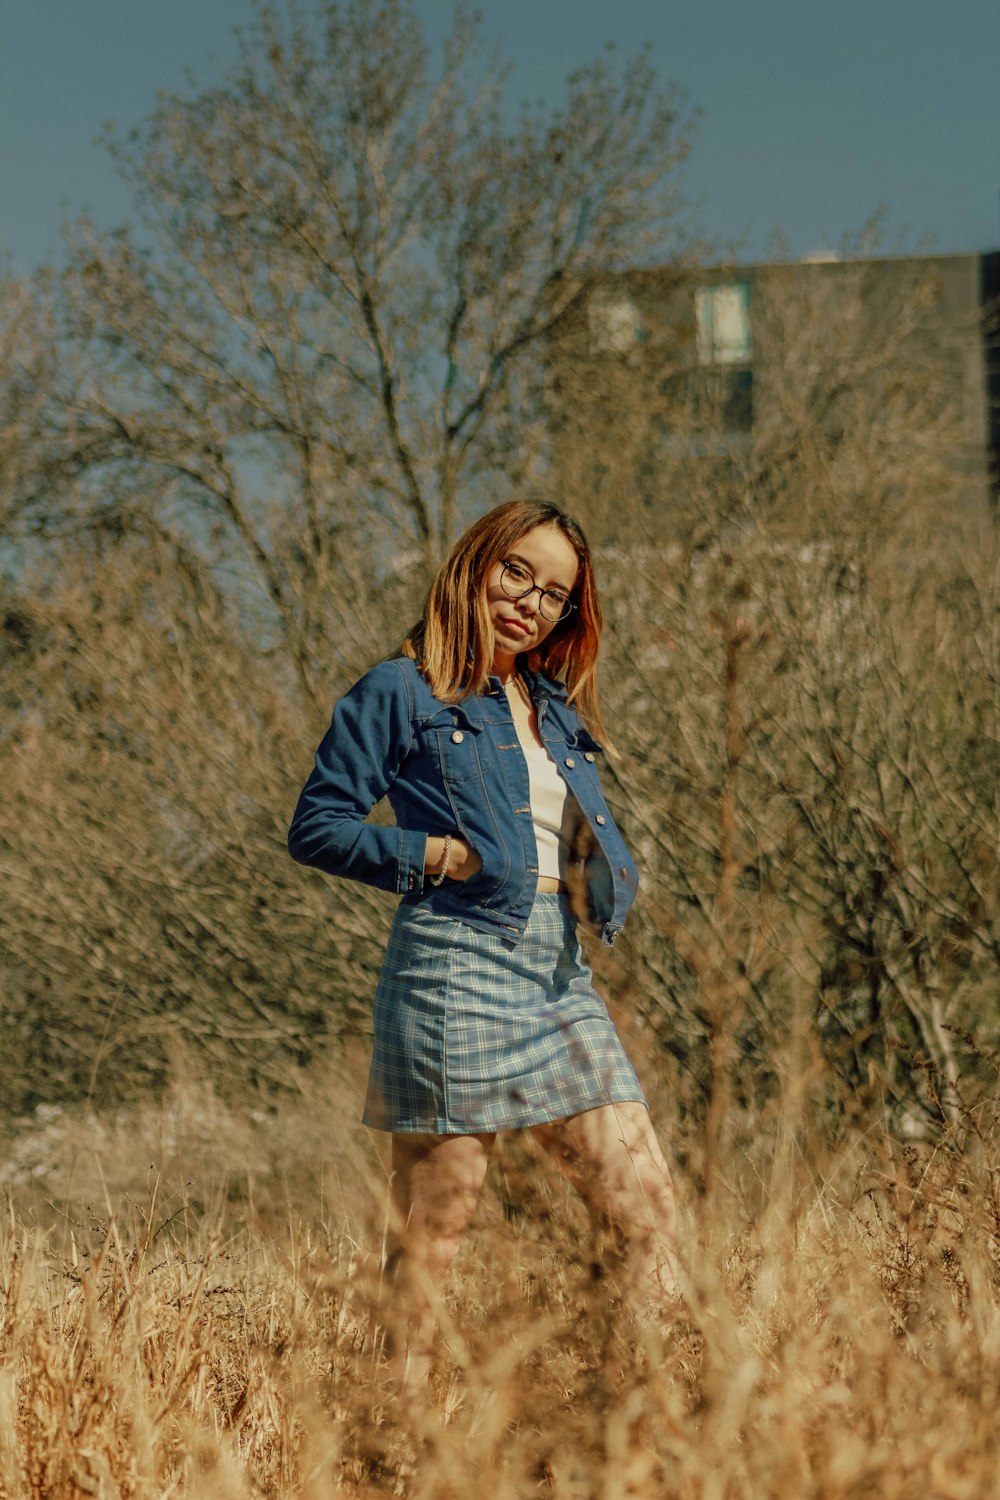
(358, 304)
(27, 376)
(318, 351)
(240, 435)
(149, 903)
(802, 664)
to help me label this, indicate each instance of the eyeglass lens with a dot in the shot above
(551, 606)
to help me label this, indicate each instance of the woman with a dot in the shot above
(480, 733)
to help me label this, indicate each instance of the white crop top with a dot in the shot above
(555, 812)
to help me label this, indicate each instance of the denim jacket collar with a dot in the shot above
(472, 712)
(540, 686)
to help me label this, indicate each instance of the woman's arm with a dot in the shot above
(463, 860)
(356, 763)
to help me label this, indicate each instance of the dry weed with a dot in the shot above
(208, 1326)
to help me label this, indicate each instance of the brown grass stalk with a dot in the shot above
(211, 1327)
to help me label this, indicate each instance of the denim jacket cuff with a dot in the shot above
(410, 870)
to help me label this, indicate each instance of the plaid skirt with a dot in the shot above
(475, 1032)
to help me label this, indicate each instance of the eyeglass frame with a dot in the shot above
(567, 603)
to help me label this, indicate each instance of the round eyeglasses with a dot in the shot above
(517, 583)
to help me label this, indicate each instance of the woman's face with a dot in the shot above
(518, 624)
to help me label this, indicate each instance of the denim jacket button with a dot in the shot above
(589, 755)
(600, 819)
(458, 737)
(569, 761)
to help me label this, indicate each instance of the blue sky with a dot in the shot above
(813, 116)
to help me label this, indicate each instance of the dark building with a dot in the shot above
(720, 358)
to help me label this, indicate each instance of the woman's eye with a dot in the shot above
(519, 575)
(559, 599)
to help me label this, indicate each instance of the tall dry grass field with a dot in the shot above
(190, 1307)
(191, 1299)
(229, 472)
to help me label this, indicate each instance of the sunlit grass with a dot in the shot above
(191, 1307)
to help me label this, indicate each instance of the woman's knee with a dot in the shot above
(436, 1185)
(619, 1167)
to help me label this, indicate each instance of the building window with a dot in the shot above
(614, 323)
(723, 317)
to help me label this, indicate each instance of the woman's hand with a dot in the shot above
(463, 862)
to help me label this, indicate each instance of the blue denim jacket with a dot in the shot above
(447, 768)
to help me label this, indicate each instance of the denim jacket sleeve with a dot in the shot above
(356, 763)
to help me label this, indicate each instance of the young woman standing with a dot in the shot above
(485, 733)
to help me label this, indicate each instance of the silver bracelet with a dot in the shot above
(445, 862)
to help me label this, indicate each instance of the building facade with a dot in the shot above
(885, 372)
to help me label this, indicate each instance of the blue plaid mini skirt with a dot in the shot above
(476, 1032)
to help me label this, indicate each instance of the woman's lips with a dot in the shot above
(518, 626)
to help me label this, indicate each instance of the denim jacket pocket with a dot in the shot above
(452, 738)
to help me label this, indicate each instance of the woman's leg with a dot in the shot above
(435, 1187)
(613, 1159)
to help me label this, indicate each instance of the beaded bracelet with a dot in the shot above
(445, 862)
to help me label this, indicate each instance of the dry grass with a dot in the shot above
(188, 1309)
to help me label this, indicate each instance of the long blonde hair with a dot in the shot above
(453, 641)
